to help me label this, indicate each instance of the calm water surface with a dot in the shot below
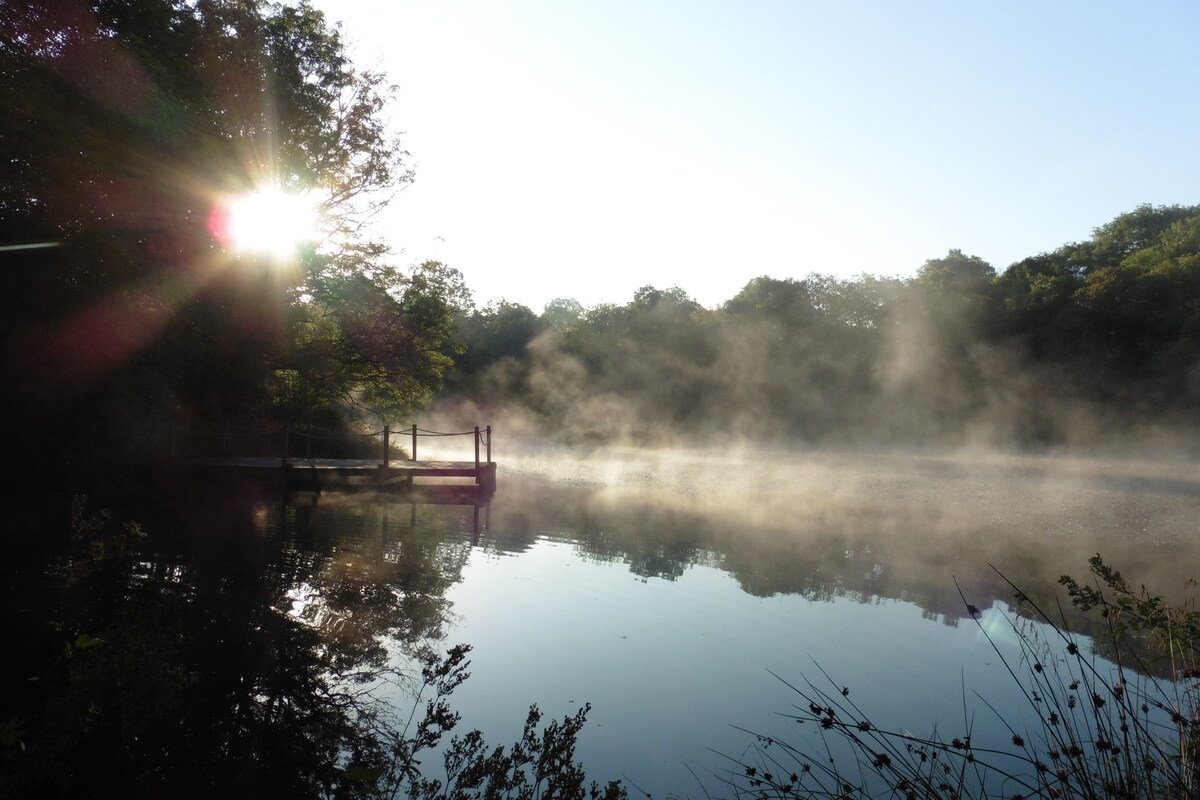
(674, 593)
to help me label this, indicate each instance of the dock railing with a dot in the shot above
(481, 436)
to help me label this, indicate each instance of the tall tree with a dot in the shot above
(123, 125)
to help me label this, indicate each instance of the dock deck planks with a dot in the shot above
(319, 472)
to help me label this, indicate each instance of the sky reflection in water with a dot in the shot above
(672, 667)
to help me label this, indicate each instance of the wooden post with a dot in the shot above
(386, 445)
(477, 454)
(414, 448)
(485, 477)
(489, 444)
(308, 444)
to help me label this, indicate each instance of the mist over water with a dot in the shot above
(943, 516)
(665, 586)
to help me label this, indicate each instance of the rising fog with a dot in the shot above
(1093, 347)
(930, 427)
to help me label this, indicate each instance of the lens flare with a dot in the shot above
(268, 220)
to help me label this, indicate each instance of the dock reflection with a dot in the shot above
(478, 498)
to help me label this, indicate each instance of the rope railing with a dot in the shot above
(423, 432)
(482, 437)
(337, 437)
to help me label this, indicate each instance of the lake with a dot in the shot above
(676, 592)
(669, 589)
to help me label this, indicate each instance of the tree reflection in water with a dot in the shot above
(911, 544)
(244, 651)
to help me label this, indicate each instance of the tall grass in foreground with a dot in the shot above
(1101, 729)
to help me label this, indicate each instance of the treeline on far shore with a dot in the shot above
(1096, 343)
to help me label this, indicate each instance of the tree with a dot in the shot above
(493, 339)
(1145, 311)
(122, 123)
(957, 273)
(561, 312)
(1118, 310)
(374, 342)
(1126, 234)
(785, 300)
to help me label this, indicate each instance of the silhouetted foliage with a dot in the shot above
(121, 127)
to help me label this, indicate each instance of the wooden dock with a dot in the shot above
(330, 473)
(318, 473)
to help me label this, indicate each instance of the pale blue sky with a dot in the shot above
(571, 149)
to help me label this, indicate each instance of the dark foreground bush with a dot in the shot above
(539, 766)
(1125, 728)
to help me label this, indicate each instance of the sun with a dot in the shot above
(269, 220)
